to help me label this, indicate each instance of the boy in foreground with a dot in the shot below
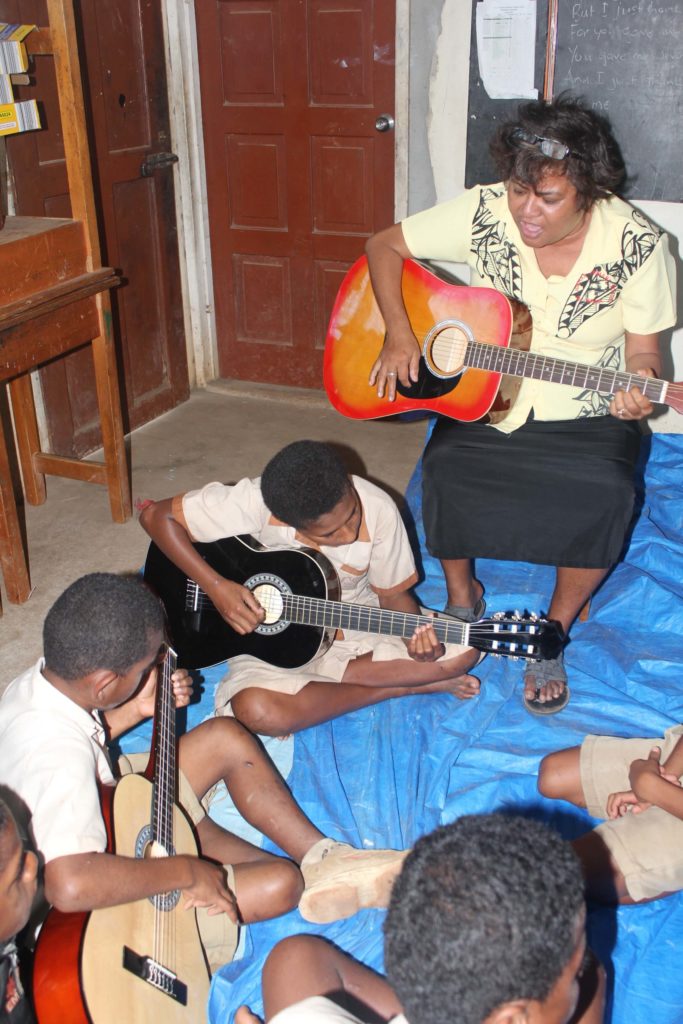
(305, 498)
(474, 934)
(18, 871)
(103, 640)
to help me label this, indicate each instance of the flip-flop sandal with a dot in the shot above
(465, 613)
(543, 672)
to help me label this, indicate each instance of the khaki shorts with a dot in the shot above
(246, 671)
(647, 847)
(218, 933)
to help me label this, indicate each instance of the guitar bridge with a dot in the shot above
(155, 974)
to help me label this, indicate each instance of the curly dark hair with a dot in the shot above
(304, 481)
(102, 621)
(483, 913)
(594, 164)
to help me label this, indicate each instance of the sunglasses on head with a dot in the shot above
(551, 148)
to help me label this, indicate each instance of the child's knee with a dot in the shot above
(256, 709)
(281, 888)
(548, 776)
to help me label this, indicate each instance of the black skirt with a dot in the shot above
(553, 493)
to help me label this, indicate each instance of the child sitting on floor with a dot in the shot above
(305, 497)
(103, 640)
(635, 855)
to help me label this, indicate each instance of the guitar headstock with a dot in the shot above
(518, 636)
(674, 396)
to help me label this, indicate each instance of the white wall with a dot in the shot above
(443, 161)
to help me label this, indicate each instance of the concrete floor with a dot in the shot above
(225, 432)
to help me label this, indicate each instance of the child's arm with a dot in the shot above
(87, 881)
(674, 762)
(653, 783)
(141, 704)
(423, 645)
(236, 603)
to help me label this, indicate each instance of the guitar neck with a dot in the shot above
(312, 611)
(164, 752)
(559, 371)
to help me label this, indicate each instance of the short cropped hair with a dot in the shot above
(6, 820)
(483, 913)
(304, 481)
(594, 166)
(102, 621)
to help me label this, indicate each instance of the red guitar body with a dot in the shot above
(356, 334)
(57, 991)
(475, 347)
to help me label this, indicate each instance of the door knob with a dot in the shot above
(385, 123)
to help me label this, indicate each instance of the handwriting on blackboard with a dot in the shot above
(626, 59)
(608, 47)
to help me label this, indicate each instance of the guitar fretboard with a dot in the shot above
(559, 371)
(164, 786)
(313, 611)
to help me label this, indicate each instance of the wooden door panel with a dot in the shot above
(290, 95)
(123, 67)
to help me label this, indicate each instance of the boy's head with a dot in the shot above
(486, 925)
(102, 622)
(18, 869)
(306, 486)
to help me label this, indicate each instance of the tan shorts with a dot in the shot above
(647, 847)
(246, 671)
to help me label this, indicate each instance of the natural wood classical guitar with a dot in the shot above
(137, 962)
(467, 370)
(299, 589)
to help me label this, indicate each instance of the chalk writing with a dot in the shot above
(626, 59)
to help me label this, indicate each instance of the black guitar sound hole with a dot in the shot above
(427, 385)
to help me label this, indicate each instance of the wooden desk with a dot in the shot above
(52, 304)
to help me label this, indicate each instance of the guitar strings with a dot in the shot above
(449, 355)
(164, 951)
(509, 631)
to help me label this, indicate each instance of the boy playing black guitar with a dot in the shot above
(305, 498)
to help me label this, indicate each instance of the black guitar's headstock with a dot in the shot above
(515, 635)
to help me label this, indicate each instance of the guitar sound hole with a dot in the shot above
(445, 348)
(270, 591)
(270, 600)
(145, 847)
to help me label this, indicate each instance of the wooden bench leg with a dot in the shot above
(12, 551)
(28, 439)
(106, 381)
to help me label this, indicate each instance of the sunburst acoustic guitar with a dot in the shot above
(475, 352)
(142, 961)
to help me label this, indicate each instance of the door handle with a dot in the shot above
(385, 123)
(151, 163)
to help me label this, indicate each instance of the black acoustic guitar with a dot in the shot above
(299, 590)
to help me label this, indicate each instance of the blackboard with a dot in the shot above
(625, 58)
